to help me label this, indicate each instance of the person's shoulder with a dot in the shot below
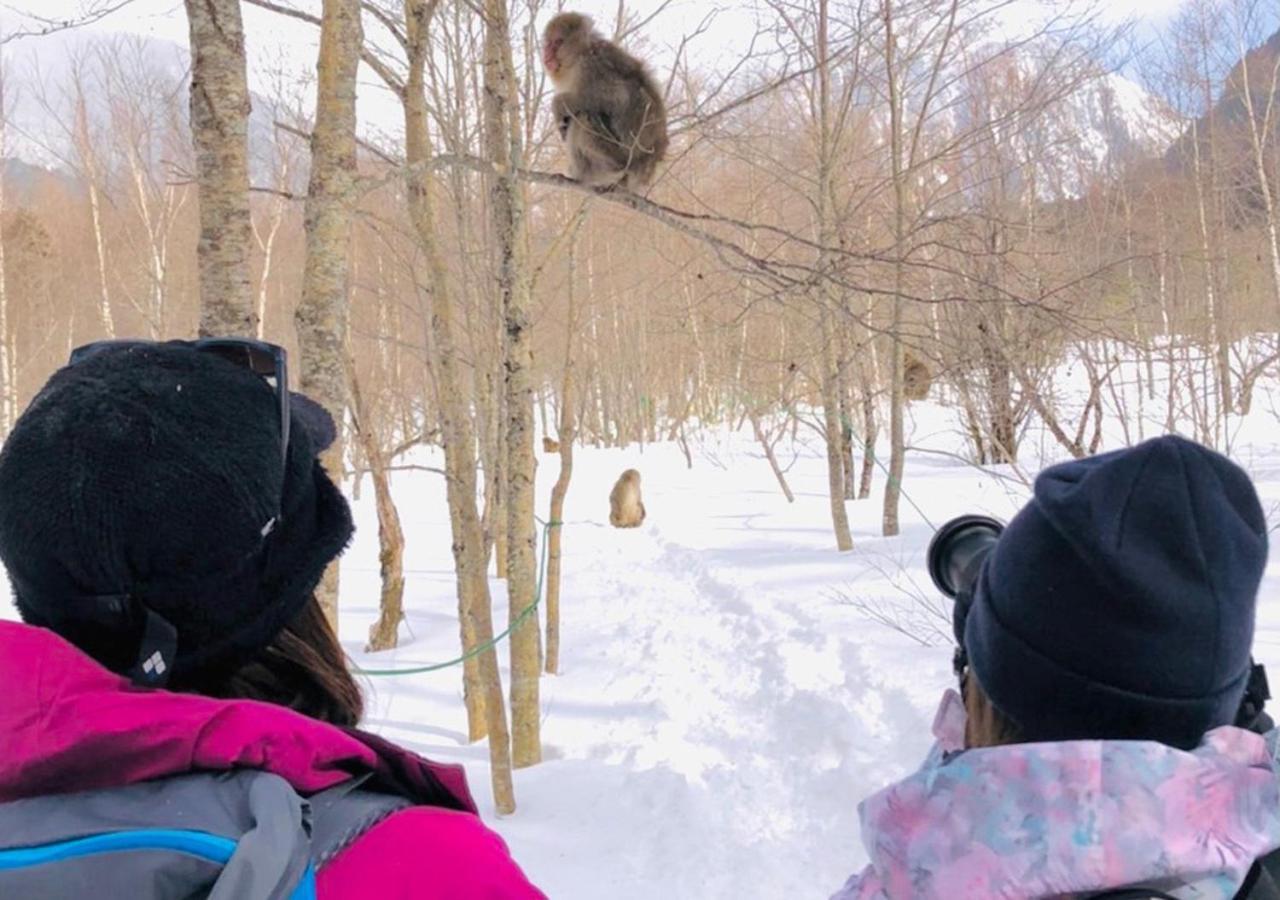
(424, 853)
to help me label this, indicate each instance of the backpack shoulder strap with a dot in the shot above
(340, 815)
(1261, 883)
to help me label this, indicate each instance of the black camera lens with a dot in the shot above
(957, 550)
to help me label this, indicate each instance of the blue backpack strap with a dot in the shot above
(226, 837)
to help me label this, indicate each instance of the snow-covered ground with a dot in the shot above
(723, 705)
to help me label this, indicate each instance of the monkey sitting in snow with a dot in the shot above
(625, 507)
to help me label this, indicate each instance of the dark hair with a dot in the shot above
(303, 668)
(986, 726)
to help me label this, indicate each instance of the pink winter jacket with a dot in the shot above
(67, 724)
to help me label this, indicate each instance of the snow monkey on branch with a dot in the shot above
(608, 109)
(625, 508)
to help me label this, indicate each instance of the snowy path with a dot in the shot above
(719, 713)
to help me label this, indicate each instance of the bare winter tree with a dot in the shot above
(482, 680)
(219, 127)
(566, 435)
(321, 317)
(503, 138)
(8, 381)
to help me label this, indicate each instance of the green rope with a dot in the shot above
(493, 641)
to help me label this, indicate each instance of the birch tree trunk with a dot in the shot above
(1218, 341)
(1262, 124)
(267, 245)
(482, 682)
(219, 129)
(893, 486)
(155, 245)
(93, 181)
(766, 444)
(830, 357)
(846, 419)
(503, 140)
(383, 633)
(870, 433)
(566, 434)
(321, 317)
(8, 386)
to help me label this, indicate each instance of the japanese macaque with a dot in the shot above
(916, 378)
(608, 109)
(625, 508)
(550, 446)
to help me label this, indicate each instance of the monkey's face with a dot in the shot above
(562, 43)
(551, 44)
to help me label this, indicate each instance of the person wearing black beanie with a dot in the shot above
(1104, 647)
(1120, 601)
(154, 474)
(178, 717)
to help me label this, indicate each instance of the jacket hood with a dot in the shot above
(68, 724)
(1075, 817)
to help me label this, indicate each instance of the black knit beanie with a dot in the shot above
(154, 473)
(1119, 603)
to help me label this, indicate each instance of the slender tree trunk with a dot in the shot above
(566, 435)
(219, 128)
(503, 140)
(846, 417)
(93, 179)
(1048, 416)
(482, 685)
(767, 445)
(384, 633)
(155, 243)
(870, 434)
(8, 387)
(1260, 126)
(831, 403)
(1218, 341)
(321, 316)
(268, 246)
(897, 400)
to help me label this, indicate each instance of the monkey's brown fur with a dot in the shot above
(916, 378)
(550, 446)
(607, 106)
(625, 508)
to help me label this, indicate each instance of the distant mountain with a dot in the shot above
(1230, 112)
(1260, 63)
(1110, 122)
(1093, 124)
(1226, 128)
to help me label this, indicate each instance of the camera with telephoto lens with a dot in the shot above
(955, 558)
(957, 551)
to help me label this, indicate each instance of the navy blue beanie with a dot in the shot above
(1119, 603)
(155, 472)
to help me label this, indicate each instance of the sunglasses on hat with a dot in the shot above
(268, 361)
(160, 638)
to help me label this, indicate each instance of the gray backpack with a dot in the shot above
(241, 835)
